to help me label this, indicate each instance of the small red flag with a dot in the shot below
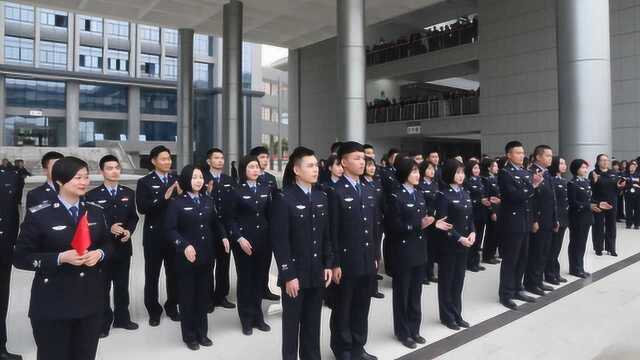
(82, 238)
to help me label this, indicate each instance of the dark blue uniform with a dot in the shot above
(409, 249)
(44, 193)
(477, 192)
(301, 238)
(245, 214)
(157, 249)
(491, 238)
(514, 224)
(67, 302)
(269, 180)
(580, 220)
(118, 208)
(9, 220)
(376, 188)
(552, 269)
(603, 233)
(429, 192)
(458, 208)
(193, 222)
(219, 288)
(353, 214)
(632, 200)
(389, 183)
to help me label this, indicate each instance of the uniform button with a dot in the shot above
(404, 242)
(314, 229)
(314, 215)
(200, 214)
(466, 217)
(314, 242)
(201, 226)
(257, 226)
(365, 219)
(363, 206)
(257, 214)
(366, 244)
(81, 274)
(366, 231)
(203, 237)
(150, 226)
(46, 280)
(420, 237)
(315, 255)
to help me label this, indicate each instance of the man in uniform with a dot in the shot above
(46, 192)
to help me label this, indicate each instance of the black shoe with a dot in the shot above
(193, 345)
(628, 226)
(452, 326)
(481, 268)
(535, 290)
(210, 308)
(103, 334)
(586, 274)
(426, 282)
(129, 325)
(578, 274)
(247, 330)
(636, 227)
(508, 303)
(408, 342)
(433, 278)
(344, 356)
(378, 295)
(379, 277)
(520, 295)
(613, 253)
(5, 355)
(174, 316)
(546, 287)
(474, 269)
(462, 323)
(205, 341)
(419, 339)
(599, 253)
(492, 261)
(263, 327)
(153, 322)
(561, 279)
(224, 303)
(366, 356)
(268, 295)
(552, 280)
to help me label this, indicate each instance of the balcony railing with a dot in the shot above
(423, 110)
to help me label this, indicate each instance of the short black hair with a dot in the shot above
(392, 152)
(554, 168)
(66, 168)
(449, 170)
(485, 164)
(540, 149)
(106, 159)
(468, 170)
(512, 144)
(423, 168)
(576, 164)
(367, 146)
(259, 150)
(186, 175)
(404, 167)
(214, 150)
(331, 161)
(348, 148)
(158, 150)
(432, 151)
(242, 167)
(289, 176)
(51, 155)
(335, 146)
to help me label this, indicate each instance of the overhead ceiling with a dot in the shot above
(285, 23)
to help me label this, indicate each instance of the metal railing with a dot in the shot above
(424, 110)
(465, 34)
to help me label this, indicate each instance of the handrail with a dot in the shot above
(424, 110)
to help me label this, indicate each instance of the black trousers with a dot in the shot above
(514, 249)
(153, 260)
(490, 241)
(433, 237)
(250, 285)
(452, 267)
(219, 288)
(621, 208)
(265, 267)
(117, 272)
(539, 247)
(552, 268)
(603, 232)
(301, 322)
(578, 234)
(5, 284)
(68, 339)
(193, 292)
(350, 317)
(632, 209)
(407, 295)
(473, 257)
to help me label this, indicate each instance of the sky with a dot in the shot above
(273, 53)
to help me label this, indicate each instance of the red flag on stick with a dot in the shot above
(82, 238)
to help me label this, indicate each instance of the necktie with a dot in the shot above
(309, 195)
(74, 213)
(358, 189)
(413, 196)
(253, 188)
(113, 193)
(164, 180)
(197, 200)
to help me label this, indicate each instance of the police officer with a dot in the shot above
(581, 210)
(545, 222)
(154, 192)
(474, 185)
(454, 206)
(23, 173)
(68, 291)
(605, 184)
(262, 154)
(353, 233)
(517, 186)
(46, 192)
(216, 182)
(245, 214)
(300, 233)
(489, 172)
(632, 195)
(193, 228)
(429, 186)
(118, 203)
(9, 220)
(373, 181)
(552, 269)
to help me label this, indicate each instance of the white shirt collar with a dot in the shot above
(67, 205)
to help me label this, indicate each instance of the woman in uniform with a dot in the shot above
(632, 195)
(552, 268)
(428, 186)
(68, 291)
(192, 227)
(453, 205)
(581, 210)
(372, 180)
(474, 185)
(605, 184)
(245, 214)
(489, 173)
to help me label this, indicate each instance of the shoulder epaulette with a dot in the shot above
(94, 204)
(35, 209)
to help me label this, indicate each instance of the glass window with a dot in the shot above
(53, 18)
(35, 93)
(92, 130)
(155, 101)
(118, 28)
(170, 70)
(265, 140)
(201, 45)
(118, 61)
(53, 54)
(90, 58)
(18, 50)
(267, 87)
(266, 113)
(90, 24)
(149, 33)
(19, 13)
(171, 37)
(284, 118)
(112, 98)
(246, 65)
(34, 131)
(149, 66)
(158, 130)
(201, 75)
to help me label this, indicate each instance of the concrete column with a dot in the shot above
(36, 38)
(351, 70)
(2, 36)
(232, 81)
(73, 113)
(105, 47)
(133, 131)
(294, 98)
(584, 78)
(185, 97)
(3, 112)
(133, 50)
(71, 32)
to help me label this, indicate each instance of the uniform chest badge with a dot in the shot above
(102, 201)
(155, 186)
(410, 205)
(246, 197)
(301, 207)
(59, 227)
(125, 199)
(348, 199)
